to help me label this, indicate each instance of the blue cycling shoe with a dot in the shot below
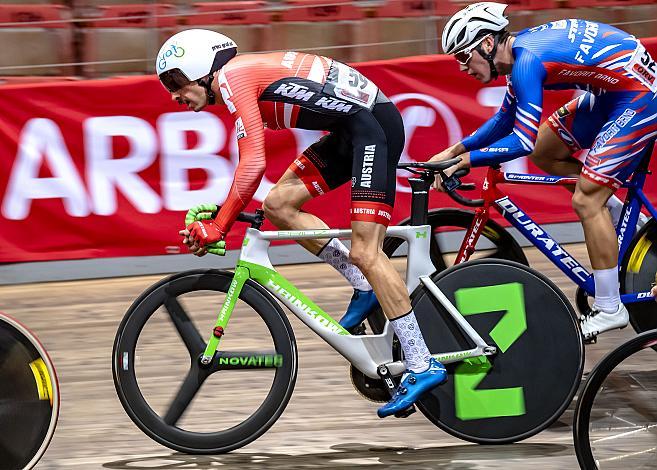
(412, 387)
(362, 304)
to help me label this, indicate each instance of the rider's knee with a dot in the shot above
(363, 256)
(583, 205)
(276, 206)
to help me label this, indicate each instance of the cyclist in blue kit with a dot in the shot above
(615, 117)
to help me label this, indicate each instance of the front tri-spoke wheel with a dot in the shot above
(204, 408)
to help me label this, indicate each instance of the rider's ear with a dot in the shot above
(488, 44)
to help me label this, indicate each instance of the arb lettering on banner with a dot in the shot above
(41, 143)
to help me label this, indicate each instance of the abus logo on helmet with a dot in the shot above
(173, 51)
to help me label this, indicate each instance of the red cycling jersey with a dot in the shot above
(269, 90)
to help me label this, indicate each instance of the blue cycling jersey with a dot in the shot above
(565, 54)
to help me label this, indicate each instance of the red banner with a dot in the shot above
(108, 168)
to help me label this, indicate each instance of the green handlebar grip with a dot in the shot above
(218, 248)
(200, 212)
(205, 212)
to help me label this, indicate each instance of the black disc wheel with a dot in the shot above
(638, 275)
(196, 408)
(531, 379)
(29, 397)
(616, 414)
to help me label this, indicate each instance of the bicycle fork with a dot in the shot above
(240, 277)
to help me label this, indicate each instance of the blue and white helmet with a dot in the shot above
(470, 23)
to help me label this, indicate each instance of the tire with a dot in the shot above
(230, 427)
(493, 235)
(539, 346)
(638, 273)
(623, 385)
(29, 396)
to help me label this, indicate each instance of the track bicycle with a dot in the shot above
(637, 250)
(29, 396)
(505, 333)
(615, 422)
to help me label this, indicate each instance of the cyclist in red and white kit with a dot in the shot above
(366, 137)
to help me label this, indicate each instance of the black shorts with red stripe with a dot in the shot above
(363, 148)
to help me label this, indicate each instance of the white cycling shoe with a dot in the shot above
(598, 321)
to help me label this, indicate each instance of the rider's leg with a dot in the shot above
(324, 166)
(614, 156)
(589, 203)
(367, 254)
(568, 130)
(282, 207)
(553, 156)
(378, 140)
(601, 243)
(422, 371)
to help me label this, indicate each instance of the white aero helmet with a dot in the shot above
(192, 54)
(471, 23)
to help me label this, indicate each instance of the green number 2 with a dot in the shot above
(477, 404)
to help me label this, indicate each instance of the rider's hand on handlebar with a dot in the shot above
(193, 247)
(199, 234)
(446, 155)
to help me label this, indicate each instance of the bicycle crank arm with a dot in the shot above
(471, 355)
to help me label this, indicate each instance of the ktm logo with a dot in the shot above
(294, 91)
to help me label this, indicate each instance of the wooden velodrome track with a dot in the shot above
(326, 424)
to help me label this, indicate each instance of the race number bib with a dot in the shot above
(642, 67)
(350, 85)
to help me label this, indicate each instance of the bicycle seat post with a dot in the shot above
(420, 199)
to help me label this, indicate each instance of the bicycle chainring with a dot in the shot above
(372, 389)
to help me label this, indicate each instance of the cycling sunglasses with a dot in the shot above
(464, 56)
(174, 79)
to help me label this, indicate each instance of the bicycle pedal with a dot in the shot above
(406, 413)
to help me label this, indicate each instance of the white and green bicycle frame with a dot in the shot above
(365, 352)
